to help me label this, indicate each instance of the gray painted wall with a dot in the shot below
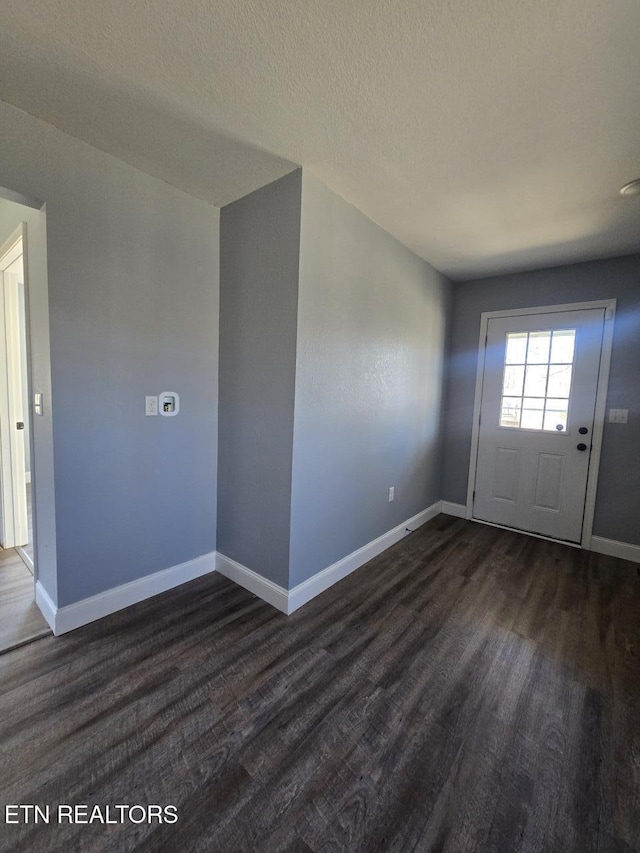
(372, 320)
(133, 305)
(618, 500)
(259, 240)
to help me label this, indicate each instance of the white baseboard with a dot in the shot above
(459, 510)
(613, 548)
(289, 600)
(26, 558)
(305, 591)
(255, 583)
(599, 544)
(46, 605)
(71, 616)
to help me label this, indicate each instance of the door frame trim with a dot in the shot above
(609, 306)
(12, 466)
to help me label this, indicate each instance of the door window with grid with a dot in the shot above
(536, 382)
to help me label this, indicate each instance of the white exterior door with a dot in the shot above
(536, 421)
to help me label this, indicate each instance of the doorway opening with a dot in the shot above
(538, 421)
(20, 618)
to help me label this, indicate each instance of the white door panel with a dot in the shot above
(536, 421)
(506, 474)
(549, 481)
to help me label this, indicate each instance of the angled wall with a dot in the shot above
(372, 319)
(259, 252)
(331, 361)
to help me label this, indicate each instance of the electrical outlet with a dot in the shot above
(618, 416)
(151, 406)
(392, 493)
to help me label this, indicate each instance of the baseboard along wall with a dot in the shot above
(265, 589)
(72, 616)
(457, 510)
(290, 600)
(67, 618)
(611, 547)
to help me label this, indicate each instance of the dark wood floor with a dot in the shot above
(470, 689)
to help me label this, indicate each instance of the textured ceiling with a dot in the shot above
(487, 136)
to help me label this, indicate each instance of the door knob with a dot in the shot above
(583, 430)
(581, 446)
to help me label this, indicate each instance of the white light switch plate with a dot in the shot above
(618, 416)
(151, 406)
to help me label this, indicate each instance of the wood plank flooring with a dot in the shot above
(20, 618)
(470, 689)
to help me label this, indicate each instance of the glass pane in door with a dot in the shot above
(536, 382)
